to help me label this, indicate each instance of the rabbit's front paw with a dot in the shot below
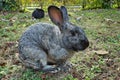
(51, 69)
(65, 68)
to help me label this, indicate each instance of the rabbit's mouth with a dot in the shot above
(78, 49)
(75, 49)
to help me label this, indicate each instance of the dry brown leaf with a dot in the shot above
(101, 52)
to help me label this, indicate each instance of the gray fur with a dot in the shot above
(43, 43)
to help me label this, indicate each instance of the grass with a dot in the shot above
(100, 61)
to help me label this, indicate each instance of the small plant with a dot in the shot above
(95, 69)
(11, 5)
(28, 74)
(4, 70)
(69, 77)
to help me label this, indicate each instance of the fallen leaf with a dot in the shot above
(101, 52)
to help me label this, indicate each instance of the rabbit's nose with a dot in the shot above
(85, 44)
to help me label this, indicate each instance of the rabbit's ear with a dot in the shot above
(64, 12)
(55, 15)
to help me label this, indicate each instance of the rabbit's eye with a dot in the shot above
(73, 33)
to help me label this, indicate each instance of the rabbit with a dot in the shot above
(47, 47)
(38, 13)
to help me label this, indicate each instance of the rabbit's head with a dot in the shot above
(73, 37)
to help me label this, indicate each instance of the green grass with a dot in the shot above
(103, 36)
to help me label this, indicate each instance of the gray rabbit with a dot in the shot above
(47, 47)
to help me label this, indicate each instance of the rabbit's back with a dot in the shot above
(39, 34)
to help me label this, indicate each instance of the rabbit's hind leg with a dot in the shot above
(33, 57)
(29, 63)
(36, 58)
